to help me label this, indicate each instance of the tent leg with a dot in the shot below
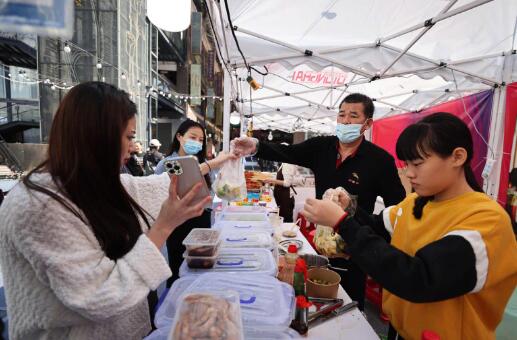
(226, 111)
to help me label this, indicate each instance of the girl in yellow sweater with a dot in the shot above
(446, 255)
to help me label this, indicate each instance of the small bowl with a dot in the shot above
(323, 290)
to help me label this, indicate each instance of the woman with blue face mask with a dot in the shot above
(190, 139)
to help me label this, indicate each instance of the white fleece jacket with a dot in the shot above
(59, 284)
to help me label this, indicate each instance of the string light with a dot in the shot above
(99, 65)
(123, 76)
(67, 48)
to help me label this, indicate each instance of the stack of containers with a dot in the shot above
(229, 221)
(267, 305)
(202, 248)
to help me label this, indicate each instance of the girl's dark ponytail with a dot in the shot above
(420, 203)
(471, 179)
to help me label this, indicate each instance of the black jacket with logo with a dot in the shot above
(371, 172)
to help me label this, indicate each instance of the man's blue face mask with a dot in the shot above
(348, 133)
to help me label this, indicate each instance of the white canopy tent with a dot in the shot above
(407, 55)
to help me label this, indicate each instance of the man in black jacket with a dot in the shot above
(152, 157)
(346, 160)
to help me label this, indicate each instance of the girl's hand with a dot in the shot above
(324, 212)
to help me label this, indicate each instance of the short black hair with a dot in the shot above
(513, 177)
(360, 98)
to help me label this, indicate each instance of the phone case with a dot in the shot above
(189, 174)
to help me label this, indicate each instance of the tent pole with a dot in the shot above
(294, 96)
(304, 52)
(218, 5)
(487, 81)
(415, 39)
(226, 111)
(437, 18)
(392, 105)
(473, 59)
(285, 56)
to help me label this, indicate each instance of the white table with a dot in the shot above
(351, 325)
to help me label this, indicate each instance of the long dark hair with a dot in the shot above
(438, 133)
(84, 161)
(182, 130)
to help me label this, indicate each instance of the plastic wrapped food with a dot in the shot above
(348, 202)
(328, 242)
(208, 316)
(230, 184)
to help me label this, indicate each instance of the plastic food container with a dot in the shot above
(264, 300)
(277, 333)
(243, 217)
(245, 260)
(243, 226)
(202, 242)
(253, 239)
(245, 209)
(200, 262)
(208, 315)
(165, 314)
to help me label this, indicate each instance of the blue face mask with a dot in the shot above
(348, 133)
(192, 147)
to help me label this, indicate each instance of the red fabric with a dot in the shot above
(509, 131)
(386, 131)
(336, 226)
(306, 228)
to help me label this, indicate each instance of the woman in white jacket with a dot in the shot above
(79, 243)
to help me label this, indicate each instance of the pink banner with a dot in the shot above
(474, 110)
(509, 131)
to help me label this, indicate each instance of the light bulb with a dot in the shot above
(170, 15)
(235, 119)
(53, 87)
(123, 75)
(67, 48)
(270, 136)
(138, 83)
(99, 65)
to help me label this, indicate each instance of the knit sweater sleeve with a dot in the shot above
(66, 256)
(148, 191)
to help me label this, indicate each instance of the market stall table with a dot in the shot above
(351, 325)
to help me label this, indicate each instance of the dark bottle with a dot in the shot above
(300, 322)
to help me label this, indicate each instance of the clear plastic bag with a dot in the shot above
(328, 242)
(230, 184)
(348, 202)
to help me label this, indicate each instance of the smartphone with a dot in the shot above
(189, 174)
